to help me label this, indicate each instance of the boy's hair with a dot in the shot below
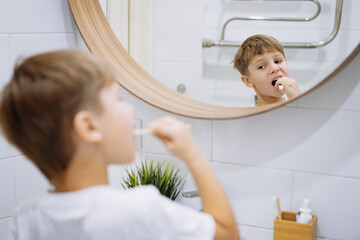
(40, 101)
(252, 46)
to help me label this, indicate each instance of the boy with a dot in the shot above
(63, 110)
(262, 64)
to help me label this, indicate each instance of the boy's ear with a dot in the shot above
(86, 127)
(247, 81)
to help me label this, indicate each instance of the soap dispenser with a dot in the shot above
(305, 213)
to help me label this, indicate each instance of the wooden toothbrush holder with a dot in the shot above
(287, 228)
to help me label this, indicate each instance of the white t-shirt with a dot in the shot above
(106, 213)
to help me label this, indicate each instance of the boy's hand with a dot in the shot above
(176, 137)
(291, 87)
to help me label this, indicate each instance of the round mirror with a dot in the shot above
(194, 42)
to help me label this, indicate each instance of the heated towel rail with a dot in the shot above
(207, 43)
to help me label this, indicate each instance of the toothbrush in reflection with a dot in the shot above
(144, 131)
(281, 87)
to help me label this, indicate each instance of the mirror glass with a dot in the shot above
(177, 31)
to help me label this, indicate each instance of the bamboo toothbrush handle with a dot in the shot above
(142, 131)
(277, 200)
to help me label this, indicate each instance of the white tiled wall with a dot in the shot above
(7, 187)
(177, 55)
(336, 201)
(5, 58)
(281, 136)
(308, 150)
(42, 16)
(29, 181)
(4, 227)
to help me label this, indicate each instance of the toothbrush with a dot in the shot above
(277, 202)
(281, 87)
(144, 131)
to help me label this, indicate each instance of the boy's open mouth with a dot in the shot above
(276, 78)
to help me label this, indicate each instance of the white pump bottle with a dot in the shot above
(305, 213)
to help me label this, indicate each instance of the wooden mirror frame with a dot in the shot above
(102, 42)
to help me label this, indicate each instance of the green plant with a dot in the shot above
(166, 179)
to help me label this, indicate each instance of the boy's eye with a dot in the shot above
(278, 61)
(261, 67)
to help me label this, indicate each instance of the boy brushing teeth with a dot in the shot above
(263, 67)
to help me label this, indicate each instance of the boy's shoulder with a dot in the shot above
(97, 194)
(93, 207)
(28, 204)
(130, 194)
(89, 204)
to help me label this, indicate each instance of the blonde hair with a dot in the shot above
(40, 101)
(252, 46)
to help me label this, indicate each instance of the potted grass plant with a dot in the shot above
(166, 178)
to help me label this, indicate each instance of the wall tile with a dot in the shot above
(7, 150)
(4, 60)
(223, 71)
(341, 92)
(310, 73)
(337, 206)
(176, 45)
(29, 180)
(253, 233)
(288, 138)
(173, 14)
(23, 45)
(44, 17)
(350, 19)
(251, 191)
(230, 98)
(7, 188)
(171, 74)
(4, 228)
(5, 16)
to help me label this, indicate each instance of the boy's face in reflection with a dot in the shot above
(263, 70)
